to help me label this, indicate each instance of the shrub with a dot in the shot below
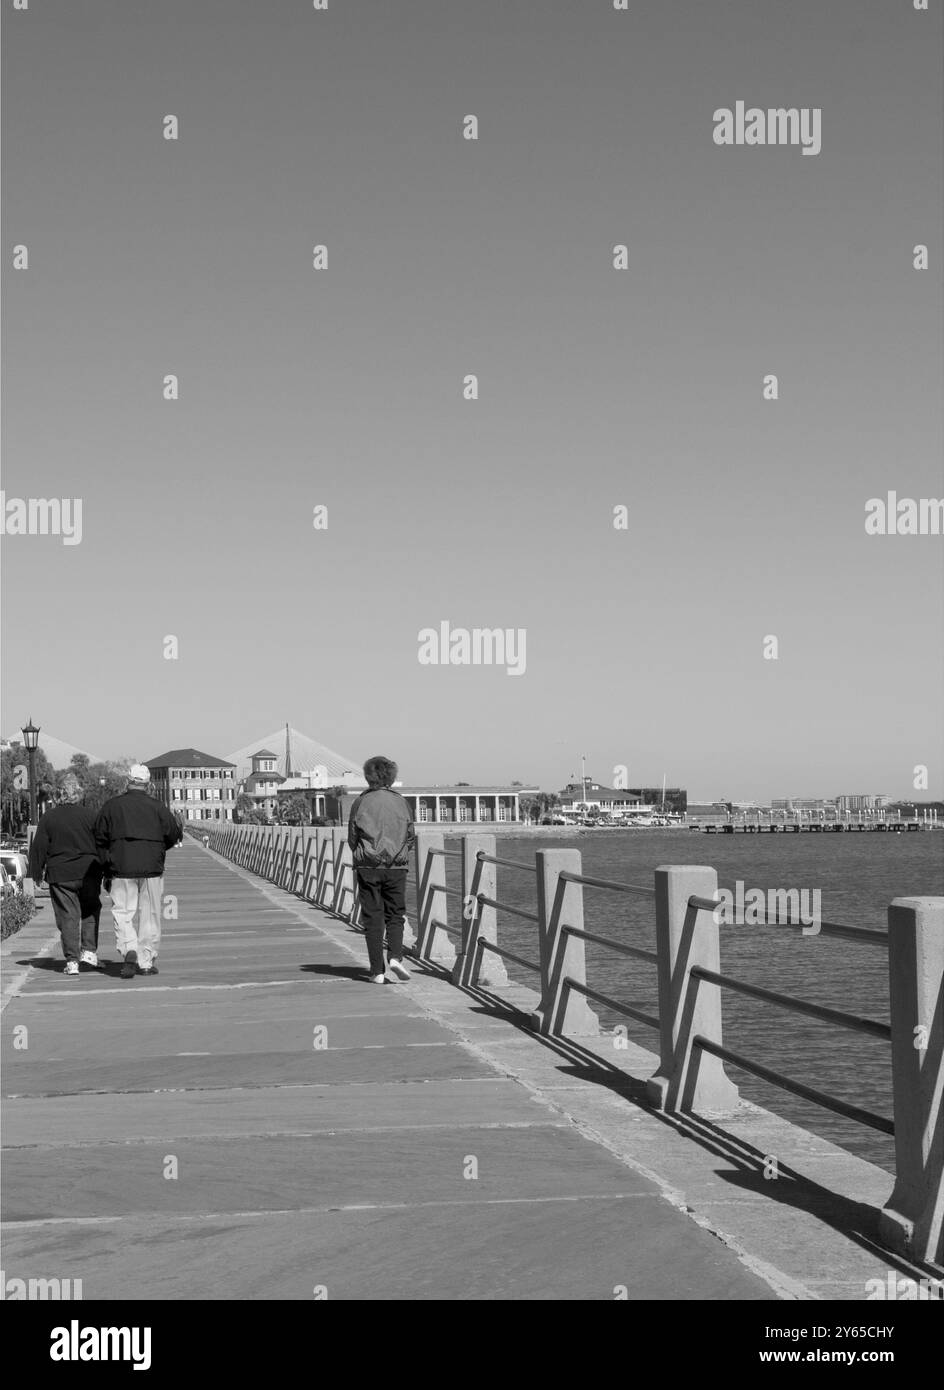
(15, 911)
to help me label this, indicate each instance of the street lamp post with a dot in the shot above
(31, 739)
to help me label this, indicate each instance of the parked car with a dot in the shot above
(16, 867)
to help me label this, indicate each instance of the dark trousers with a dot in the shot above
(382, 895)
(77, 907)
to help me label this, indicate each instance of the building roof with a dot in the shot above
(307, 754)
(261, 779)
(187, 757)
(453, 789)
(265, 753)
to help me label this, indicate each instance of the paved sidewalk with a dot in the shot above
(259, 1122)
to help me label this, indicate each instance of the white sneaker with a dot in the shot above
(72, 967)
(378, 979)
(399, 969)
(88, 958)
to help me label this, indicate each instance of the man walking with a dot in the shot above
(134, 832)
(64, 850)
(380, 833)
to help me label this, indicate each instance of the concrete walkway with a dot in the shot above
(259, 1122)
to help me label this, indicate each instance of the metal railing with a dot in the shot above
(316, 864)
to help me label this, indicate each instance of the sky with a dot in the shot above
(598, 388)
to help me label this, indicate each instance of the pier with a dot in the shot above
(259, 1122)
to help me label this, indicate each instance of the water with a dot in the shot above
(858, 875)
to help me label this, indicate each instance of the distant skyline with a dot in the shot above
(204, 601)
(693, 796)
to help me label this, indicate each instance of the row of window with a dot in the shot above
(183, 774)
(203, 794)
(215, 814)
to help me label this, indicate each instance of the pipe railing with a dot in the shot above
(316, 865)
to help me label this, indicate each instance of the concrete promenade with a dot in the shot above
(335, 1139)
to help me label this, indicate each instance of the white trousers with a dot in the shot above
(128, 895)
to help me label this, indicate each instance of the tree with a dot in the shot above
(294, 810)
(15, 799)
(103, 781)
(335, 809)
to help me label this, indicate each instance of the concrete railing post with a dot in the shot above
(309, 862)
(562, 1011)
(687, 937)
(431, 901)
(479, 921)
(325, 895)
(912, 1221)
(344, 886)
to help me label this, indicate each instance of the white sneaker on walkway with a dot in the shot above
(72, 967)
(88, 958)
(378, 979)
(399, 969)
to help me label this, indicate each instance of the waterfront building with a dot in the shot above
(849, 804)
(194, 785)
(807, 804)
(462, 804)
(633, 801)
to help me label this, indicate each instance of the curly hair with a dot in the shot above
(380, 772)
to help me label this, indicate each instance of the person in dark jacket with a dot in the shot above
(380, 833)
(133, 833)
(65, 852)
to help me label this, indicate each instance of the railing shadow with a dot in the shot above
(856, 1221)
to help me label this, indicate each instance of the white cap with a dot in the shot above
(140, 774)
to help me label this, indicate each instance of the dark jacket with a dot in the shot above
(133, 832)
(64, 846)
(380, 829)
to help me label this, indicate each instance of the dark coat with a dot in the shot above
(134, 832)
(64, 845)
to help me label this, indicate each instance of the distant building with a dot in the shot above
(299, 755)
(459, 804)
(633, 801)
(263, 783)
(862, 803)
(805, 804)
(195, 785)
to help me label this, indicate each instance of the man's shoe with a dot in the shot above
(378, 979)
(89, 958)
(148, 970)
(399, 969)
(130, 967)
(72, 967)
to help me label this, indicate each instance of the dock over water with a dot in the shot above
(259, 1122)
